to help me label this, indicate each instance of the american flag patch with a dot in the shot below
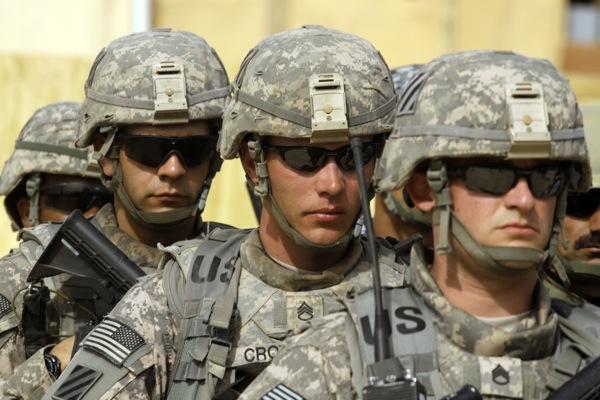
(113, 340)
(79, 381)
(281, 392)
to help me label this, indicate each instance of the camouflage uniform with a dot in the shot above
(46, 144)
(157, 77)
(196, 346)
(13, 282)
(458, 108)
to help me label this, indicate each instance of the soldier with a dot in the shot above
(224, 305)
(153, 109)
(490, 142)
(579, 244)
(46, 177)
(395, 215)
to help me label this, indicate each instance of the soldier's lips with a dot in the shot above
(327, 214)
(518, 229)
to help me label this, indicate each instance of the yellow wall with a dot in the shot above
(46, 48)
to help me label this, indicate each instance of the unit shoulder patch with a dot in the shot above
(79, 381)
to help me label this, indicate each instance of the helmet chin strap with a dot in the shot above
(32, 189)
(496, 258)
(262, 189)
(155, 220)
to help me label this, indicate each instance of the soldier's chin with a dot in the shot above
(520, 265)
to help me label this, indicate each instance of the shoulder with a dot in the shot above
(314, 364)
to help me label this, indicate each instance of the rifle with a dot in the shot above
(583, 386)
(99, 275)
(388, 378)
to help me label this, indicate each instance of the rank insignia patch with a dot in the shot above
(79, 381)
(113, 340)
(281, 392)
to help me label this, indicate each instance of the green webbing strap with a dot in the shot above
(202, 345)
(32, 189)
(407, 215)
(301, 120)
(149, 104)
(377, 113)
(157, 220)
(437, 178)
(272, 109)
(493, 257)
(477, 133)
(51, 148)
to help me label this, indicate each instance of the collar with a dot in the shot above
(534, 336)
(146, 257)
(286, 277)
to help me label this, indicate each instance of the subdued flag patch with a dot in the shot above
(113, 340)
(5, 306)
(281, 392)
(79, 381)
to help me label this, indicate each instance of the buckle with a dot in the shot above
(329, 122)
(528, 121)
(170, 101)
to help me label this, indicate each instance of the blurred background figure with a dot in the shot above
(395, 214)
(579, 244)
(46, 177)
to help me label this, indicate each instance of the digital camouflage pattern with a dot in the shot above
(32, 377)
(273, 301)
(321, 362)
(401, 75)
(120, 88)
(456, 108)
(271, 93)
(55, 128)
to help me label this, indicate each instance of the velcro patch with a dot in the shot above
(79, 381)
(281, 392)
(113, 340)
(407, 103)
(5, 305)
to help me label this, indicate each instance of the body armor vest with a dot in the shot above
(443, 367)
(233, 323)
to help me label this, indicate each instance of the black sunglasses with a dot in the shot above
(153, 151)
(583, 205)
(544, 181)
(310, 159)
(70, 196)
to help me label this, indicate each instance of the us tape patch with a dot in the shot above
(281, 392)
(113, 340)
(5, 305)
(79, 381)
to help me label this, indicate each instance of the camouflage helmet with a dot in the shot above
(484, 104)
(401, 209)
(310, 82)
(155, 77)
(46, 144)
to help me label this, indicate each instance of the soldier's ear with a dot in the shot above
(107, 166)
(420, 193)
(248, 162)
(23, 210)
